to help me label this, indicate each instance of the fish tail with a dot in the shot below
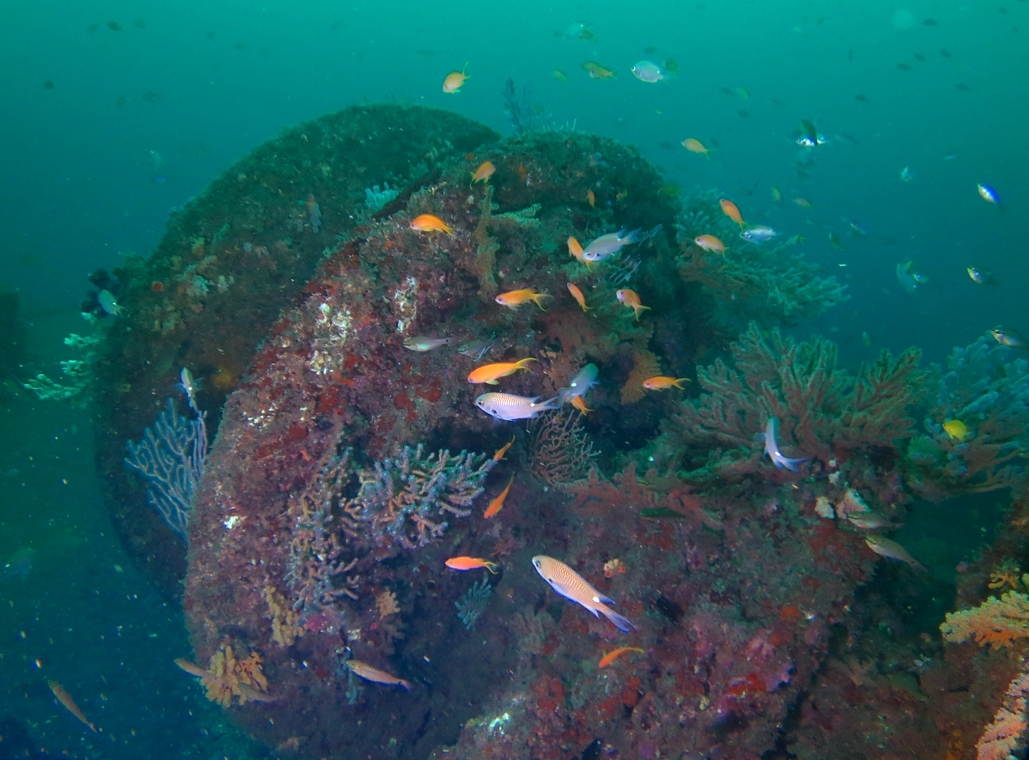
(522, 363)
(620, 622)
(536, 299)
(491, 566)
(679, 383)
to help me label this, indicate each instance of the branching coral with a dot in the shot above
(397, 505)
(997, 622)
(986, 390)
(560, 450)
(508, 224)
(645, 366)
(1003, 736)
(824, 412)
(771, 285)
(231, 676)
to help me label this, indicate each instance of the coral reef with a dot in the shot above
(824, 412)
(79, 372)
(232, 259)
(985, 388)
(769, 284)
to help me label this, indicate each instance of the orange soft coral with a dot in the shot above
(997, 622)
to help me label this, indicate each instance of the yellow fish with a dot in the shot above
(577, 295)
(499, 454)
(430, 223)
(560, 75)
(591, 198)
(454, 81)
(490, 373)
(369, 673)
(512, 299)
(776, 194)
(693, 145)
(484, 172)
(956, 429)
(571, 585)
(596, 71)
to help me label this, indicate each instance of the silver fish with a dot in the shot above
(585, 379)
(772, 448)
(508, 407)
(478, 348)
(608, 245)
(422, 343)
(758, 234)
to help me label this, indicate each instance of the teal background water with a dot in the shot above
(201, 84)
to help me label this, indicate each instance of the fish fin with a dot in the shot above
(620, 622)
(492, 382)
(790, 464)
(605, 599)
(679, 383)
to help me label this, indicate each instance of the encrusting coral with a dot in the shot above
(823, 411)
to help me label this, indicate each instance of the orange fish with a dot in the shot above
(610, 657)
(65, 699)
(577, 295)
(579, 404)
(575, 249)
(693, 145)
(490, 373)
(430, 223)
(591, 199)
(484, 172)
(369, 673)
(663, 382)
(454, 81)
(512, 299)
(631, 299)
(471, 563)
(498, 503)
(710, 243)
(730, 210)
(503, 450)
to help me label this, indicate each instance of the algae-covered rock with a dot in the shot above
(231, 260)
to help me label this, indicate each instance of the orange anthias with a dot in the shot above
(575, 249)
(631, 299)
(512, 299)
(430, 223)
(471, 563)
(663, 382)
(499, 454)
(591, 198)
(490, 373)
(730, 210)
(693, 145)
(579, 404)
(578, 296)
(710, 243)
(610, 657)
(498, 503)
(484, 172)
(454, 81)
